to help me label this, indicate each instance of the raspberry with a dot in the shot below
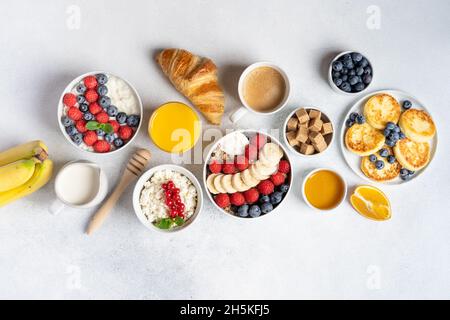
(95, 108)
(69, 99)
(90, 82)
(222, 200)
(102, 117)
(251, 152)
(90, 138)
(278, 178)
(284, 166)
(81, 126)
(237, 199)
(215, 167)
(125, 132)
(251, 195)
(266, 187)
(258, 140)
(228, 168)
(91, 96)
(241, 163)
(101, 146)
(115, 125)
(74, 114)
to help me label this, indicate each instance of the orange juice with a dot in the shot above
(324, 189)
(174, 127)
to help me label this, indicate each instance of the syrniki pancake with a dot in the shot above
(210, 183)
(248, 179)
(238, 183)
(226, 183)
(417, 125)
(363, 139)
(217, 182)
(412, 155)
(389, 171)
(381, 109)
(270, 154)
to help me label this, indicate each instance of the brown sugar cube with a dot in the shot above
(291, 138)
(322, 145)
(292, 124)
(302, 134)
(315, 124)
(327, 128)
(306, 149)
(316, 137)
(313, 113)
(302, 115)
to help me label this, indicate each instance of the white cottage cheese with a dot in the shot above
(152, 199)
(122, 96)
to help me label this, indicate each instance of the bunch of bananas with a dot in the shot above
(23, 170)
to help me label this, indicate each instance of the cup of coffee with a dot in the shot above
(263, 88)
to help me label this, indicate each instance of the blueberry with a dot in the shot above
(359, 86)
(407, 104)
(353, 116)
(84, 107)
(363, 63)
(104, 101)
(77, 138)
(353, 80)
(254, 211)
(121, 117)
(372, 158)
(359, 71)
(379, 164)
(410, 172)
(266, 207)
(349, 123)
(337, 82)
(100, 132)
(391, 159)
(118, 142)
(71, 130)
(390, 142)
(383, 152)
(349, 64)
(276, 197)
(394, 136)
(344, 71)
(356, 56)
(101, 78)
(390, 125)
(242, 211)
(401, 135)
(109, 138)
(406, 178)
(345, 86)
(264, 199)
(367, 70)
(346, 56)
(404, 172)
(360, 119)
(81, 88)
(344, 78)
(112, 111)
(386, 132)
(102, 90)
(337, 66)
(396, 129)
(88, 116)
(367, 78)
(81, 98)
(336, 74)
(284, 188)
(351, 72)
(66, 121)
(133, 120)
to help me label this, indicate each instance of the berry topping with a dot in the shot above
(251, 152)
(104, 101)
(115, 125)
(91, 96)
(90, 138)
(81, 126)
(278, 178)
(228, 168)
(215, 167)
(112, 111)
(276, 197)
(88, 116)
(74, 114)
(254, 211)
(133, 120)
(69, 99)
(101, 78)
(251, 195)
(121, 117)
(222, 200)
(90, 82)
(95, 108)
(101, 146)
(242, 211)
(125, 132)
(266, 207)
(102, 90)
(284, 166)
(102, 117)
(237, 199)
(266, 187)
(241, 163)
(258, 140)
(118, 142)
(84, 107)
(66, 121)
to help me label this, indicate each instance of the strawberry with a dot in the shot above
(284, 166)
(228, 168)
(101, 146)
(69, 99)
(95, 108)
(215, 167)
(237, 199)
(90, 82)
(81, 126)
(74, 114)
(251, 152)
(91, 96)
(125, 132)
(241, 163)
(266, 187)
(222, 200)
(102, 117)
(278, 178)
(258, 140)
(90, 138)
(251, 195)
(115, 125)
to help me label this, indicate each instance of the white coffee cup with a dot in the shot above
(79, 184)
(239, 113)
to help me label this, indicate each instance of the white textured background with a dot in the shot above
(295, 253)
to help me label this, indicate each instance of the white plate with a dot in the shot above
(354, 161)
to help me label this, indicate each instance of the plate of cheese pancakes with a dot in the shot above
(388, 137)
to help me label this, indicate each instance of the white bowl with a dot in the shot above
(140, 185)
(330, 76)
(205, 170)
(329, 140)
(69, 88)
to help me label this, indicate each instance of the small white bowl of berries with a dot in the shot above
(99, 112)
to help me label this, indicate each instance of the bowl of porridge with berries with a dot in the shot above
(99, 112)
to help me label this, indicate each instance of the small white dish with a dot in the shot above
(140, 185)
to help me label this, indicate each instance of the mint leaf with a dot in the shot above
(164, 223)
(92, 125)
(107, 128)
(179, 221)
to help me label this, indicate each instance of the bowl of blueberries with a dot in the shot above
(350, 72)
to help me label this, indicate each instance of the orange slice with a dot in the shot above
(371, 203)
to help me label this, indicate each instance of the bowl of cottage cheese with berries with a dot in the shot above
(99, 112)
(167, 198)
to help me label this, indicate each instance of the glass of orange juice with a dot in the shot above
(174, 127)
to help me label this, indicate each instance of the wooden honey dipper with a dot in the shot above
(134, 168)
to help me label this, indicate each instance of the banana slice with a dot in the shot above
(271, 154)
(226, 183)
(210, 183)
(217, 182)
(265, 170)
(248, 179)
(238, 184)
(255, 174)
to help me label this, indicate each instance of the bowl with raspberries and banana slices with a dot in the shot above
(247, 174)
(99, 112)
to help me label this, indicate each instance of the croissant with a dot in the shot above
(196, 78)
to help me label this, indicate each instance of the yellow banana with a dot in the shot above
(15, 174)
(40, 177)
(36, 149)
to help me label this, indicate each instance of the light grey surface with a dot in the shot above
(296, 253)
